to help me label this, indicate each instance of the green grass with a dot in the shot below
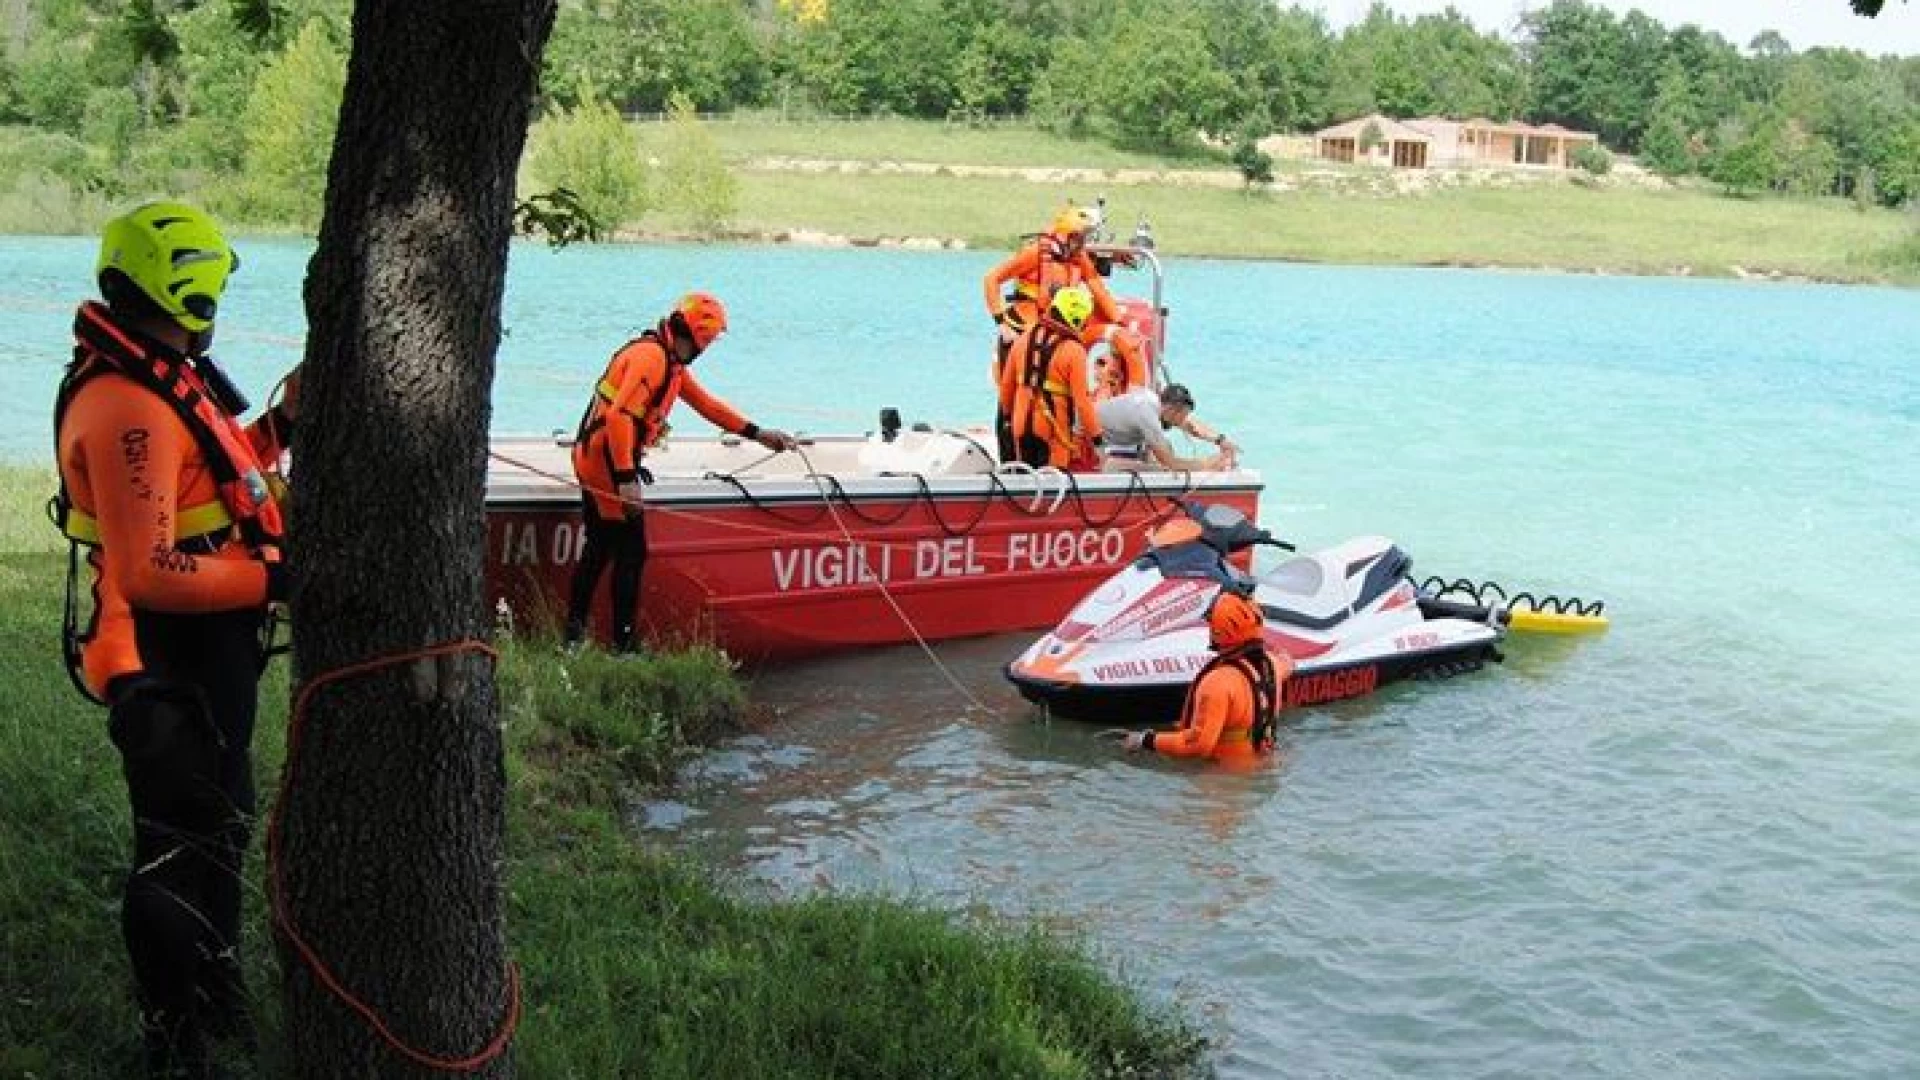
(24, 526)
(1559, 226)
(634, 964)
(751, 135)
(1334, 218)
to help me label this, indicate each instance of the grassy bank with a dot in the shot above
(1558, 226)
(749, 136)
(634, 964)
(1612, 228)
(1327, 214)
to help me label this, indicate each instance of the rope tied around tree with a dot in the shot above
(283, 915)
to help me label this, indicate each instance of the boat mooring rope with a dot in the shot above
(827, 495)
(886, 594)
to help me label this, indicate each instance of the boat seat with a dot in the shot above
(1317, 591)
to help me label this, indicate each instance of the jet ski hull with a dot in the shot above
(1348, 617)
(1148, 703)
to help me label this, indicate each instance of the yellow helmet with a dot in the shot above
(174, 255)
(1072, 222)
(1072, 305)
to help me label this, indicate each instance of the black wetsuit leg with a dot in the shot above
(184, 728)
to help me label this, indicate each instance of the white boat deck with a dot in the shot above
(537, 469)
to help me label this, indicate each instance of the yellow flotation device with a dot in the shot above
(1528, 621)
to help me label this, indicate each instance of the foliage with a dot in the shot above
(1159, 87)
(1750, 154)
(161, 89)
(1593, 159)
(1666, 147)
(1897, 166)
(637, 53)
(1370, 137)
(50, 89)
(588, 150)
(557, 215)
(695, 186)
(290, 120)
(1255, 164)
(49, 155)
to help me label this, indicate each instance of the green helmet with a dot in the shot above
(1073, 305)
(174, 255)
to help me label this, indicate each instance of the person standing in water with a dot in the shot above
(1234, 702)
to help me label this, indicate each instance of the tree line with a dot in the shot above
(231, 88)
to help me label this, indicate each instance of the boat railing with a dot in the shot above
(1140, 256)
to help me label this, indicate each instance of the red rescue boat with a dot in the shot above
(853, 541)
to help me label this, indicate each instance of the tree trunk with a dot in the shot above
(390, 845)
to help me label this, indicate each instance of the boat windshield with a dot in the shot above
(1194, 559)
(1297, 577)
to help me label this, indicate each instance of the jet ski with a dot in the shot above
(1350, 616)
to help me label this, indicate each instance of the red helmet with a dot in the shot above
(1233, 620)
(705, 317)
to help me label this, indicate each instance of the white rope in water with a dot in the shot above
(826, 496)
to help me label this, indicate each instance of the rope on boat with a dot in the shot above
(799, 521)
(834, 490)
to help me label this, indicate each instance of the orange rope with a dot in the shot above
(283, 915)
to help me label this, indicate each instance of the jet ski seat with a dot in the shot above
(1317, 591)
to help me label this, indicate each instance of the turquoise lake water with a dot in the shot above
(1688, 848)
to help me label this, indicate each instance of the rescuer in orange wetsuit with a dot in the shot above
(627, 414)
(1234, 701)
(168, 495)
(1043, 385)
(1052, 261)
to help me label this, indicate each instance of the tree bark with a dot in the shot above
(390, 840)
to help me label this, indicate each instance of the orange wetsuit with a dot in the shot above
(1044, 394)
(1222, 705)
(1036, 272)
(149, 506)
(166, 490)
(628, 413)
(1037, 275)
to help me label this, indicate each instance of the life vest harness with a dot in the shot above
(246, 499)
(1039, 364)
(247, 494)
(1037, 290)
(651, 416)
(1252, 661)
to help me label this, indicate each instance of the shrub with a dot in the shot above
(588, 150)
(1593, 159)
(290, 120)
(42, 203)
(695, 186)
(47, 154)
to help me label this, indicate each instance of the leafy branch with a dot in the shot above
(559, 216)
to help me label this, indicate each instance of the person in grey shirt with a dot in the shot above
(1136, 424)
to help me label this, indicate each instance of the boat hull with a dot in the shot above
(782, 568)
